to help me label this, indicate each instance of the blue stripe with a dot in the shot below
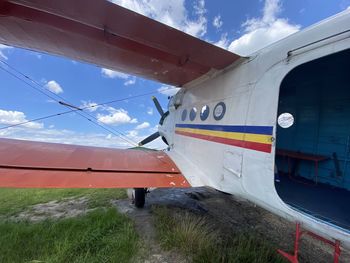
(267, 130)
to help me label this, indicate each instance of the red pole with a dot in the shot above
(296, 242)
(336, 251)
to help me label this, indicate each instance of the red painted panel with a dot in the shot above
(111, 36)
(37, 164)
(22, 178)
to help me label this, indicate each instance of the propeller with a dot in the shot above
(150, 138)
(163, 115)
(158, 107)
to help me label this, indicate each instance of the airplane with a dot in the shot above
(238, 124)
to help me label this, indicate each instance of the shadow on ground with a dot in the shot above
(227, 214)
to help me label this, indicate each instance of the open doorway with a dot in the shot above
(313, 139)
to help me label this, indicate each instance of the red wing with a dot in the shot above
(48, 165)
(111, 36)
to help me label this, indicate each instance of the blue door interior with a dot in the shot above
(317, 94)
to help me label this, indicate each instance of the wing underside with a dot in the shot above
(102, 33)
(27, 164)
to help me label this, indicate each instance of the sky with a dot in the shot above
(241, 26)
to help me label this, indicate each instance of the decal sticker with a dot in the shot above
(219, 111)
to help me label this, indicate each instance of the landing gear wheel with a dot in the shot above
(139, 197)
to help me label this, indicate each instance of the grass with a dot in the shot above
(194, 237)
(100, 236)
(104, 235)
(15, 200)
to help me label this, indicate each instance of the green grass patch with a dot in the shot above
(14, 200)
(194, 237)
(100, 236)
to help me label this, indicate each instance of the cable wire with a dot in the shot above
(79, 111)
(111, 130)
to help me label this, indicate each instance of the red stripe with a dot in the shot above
(261, 147)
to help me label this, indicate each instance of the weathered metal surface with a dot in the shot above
(111, 36)
(49, 165)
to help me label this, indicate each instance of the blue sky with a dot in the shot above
(240, 26)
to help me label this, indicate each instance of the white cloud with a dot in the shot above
(37, 54)
(2, 49)
(262, 31)
(149, 111)
(223, 41)
(36, 132)
(172, 13)
(168, 90)
(133, 135)
(154, 128)
(72, 137)
(157, 144)
(116, 117)
(131, 81)
(16, 117)
(89, 105)
(93, 106)
(217, 22)
(108, 73)
(143, 125)
(66, 137)
(54, 87)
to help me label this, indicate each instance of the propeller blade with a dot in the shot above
(157, 104)
(150, 138)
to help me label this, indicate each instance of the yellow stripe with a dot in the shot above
(260, 138)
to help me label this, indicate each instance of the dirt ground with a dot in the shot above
(227, 214)
(151, 252)
(67, 208)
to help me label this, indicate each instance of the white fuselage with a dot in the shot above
(250, 89)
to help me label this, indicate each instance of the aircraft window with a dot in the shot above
(204, 112)
(285, 120)
(193, 113)
(184, 115)
(219, 111)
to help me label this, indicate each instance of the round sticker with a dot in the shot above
(285, 120)
(219, 111)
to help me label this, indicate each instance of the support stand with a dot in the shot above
(293, 258)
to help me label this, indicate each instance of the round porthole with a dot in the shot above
(184, 115)
(204, 112)
(193, 114)
(219, 111)
(285, 120)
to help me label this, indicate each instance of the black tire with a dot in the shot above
(140, 194)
